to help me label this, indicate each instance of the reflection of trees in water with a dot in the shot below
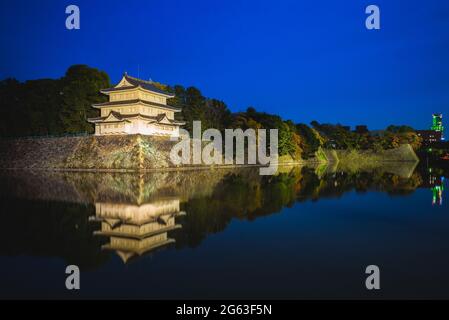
(336, 184)
(211, 199)
(48, 213)
(50, 229)
(243, 198)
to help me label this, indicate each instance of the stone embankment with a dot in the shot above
(136, 153)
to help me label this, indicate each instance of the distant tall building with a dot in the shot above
(429, 136)
(437, 123)
(435, 134)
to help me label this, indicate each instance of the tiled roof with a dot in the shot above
(124, 102)
(118, 89)
(135, 82)
(148, 85)
(122, 117)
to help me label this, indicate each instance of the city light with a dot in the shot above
(437, 123)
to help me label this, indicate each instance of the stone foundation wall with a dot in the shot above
(38, 153)
(136, 152)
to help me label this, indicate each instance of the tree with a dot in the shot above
(59, 106)
(309, 140)
(30, 108)
(399, 129)
(81, 89)
(217, 114)
(11, 107)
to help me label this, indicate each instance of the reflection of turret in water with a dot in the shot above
(137, 212)
(134, 230)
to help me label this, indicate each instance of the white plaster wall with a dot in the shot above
(137, 126)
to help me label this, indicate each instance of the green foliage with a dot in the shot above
(81, 89)
(212, 113)
(338, 137)
(399, 129)
(289, 141)
(51, 106)
(61, 106)
(29, 108)
(310, 141)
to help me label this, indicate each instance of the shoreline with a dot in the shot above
(197, 168)
(168, 169)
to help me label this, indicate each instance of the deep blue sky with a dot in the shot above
(304, 60)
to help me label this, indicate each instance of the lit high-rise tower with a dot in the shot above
(437, 123)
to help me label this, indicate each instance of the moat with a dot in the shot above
(307, 232)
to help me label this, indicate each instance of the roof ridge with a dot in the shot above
(139, 80)
(148, 85)
(150, 103)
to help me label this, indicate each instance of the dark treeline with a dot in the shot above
(62, 106)
(51, 106)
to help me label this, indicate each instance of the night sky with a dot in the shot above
(303, 60)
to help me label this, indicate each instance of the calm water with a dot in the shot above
(304, 233)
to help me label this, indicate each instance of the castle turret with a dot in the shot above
(136, 106)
